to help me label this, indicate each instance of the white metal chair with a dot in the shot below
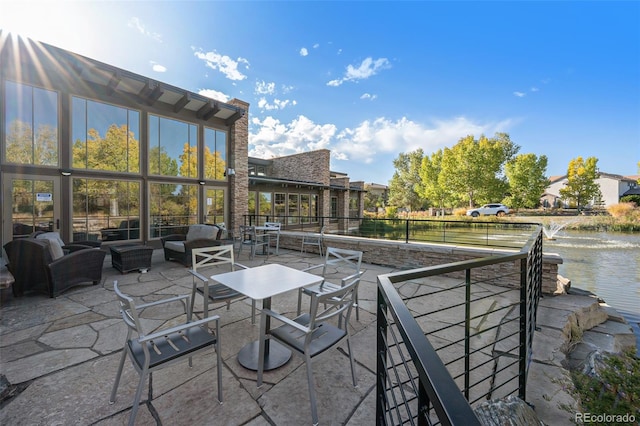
(151, 351)
(313, 333)
(339, 264)
(209, 257)
(274, 230)
(249, 236)
(313, 239)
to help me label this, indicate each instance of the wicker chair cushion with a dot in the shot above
(175, 246)
(202, 231)
(55, 244)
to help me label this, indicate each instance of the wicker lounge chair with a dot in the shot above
(178, 246)
(38, 265)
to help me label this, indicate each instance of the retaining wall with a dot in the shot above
(419, 255)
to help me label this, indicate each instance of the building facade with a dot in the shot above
(100, 153)
(301, 191)
(96, 152)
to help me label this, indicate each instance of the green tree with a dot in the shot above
(405, 181)
(431, 185)
(581, 184)
(23, 148)
(473, 169)
(526, 175)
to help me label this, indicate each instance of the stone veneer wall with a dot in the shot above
(307, 167)
(412, 255)
(239, 161)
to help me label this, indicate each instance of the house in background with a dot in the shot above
(379, 192)
(612, 187)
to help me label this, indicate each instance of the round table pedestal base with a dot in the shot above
(278, 355)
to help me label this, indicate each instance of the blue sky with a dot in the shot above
(369, 80)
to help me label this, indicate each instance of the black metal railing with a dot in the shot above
(503, 234)
(454, 335)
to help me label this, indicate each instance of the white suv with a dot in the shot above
(489, 209)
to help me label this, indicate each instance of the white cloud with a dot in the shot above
(157, 67)
(367, 68)
(214, 94)
(304, 51)
(264, 88)
(317, 45)
(224, 64)
(276, 104)
(273, 138)
(371, 141)
(535, 89)
(519, 94)
(368, 96)
(136, 24)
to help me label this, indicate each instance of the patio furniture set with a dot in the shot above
(308, 335)
(43, 263)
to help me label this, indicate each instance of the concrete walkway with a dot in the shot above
(59, 357)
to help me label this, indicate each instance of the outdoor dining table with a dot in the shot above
(262, 283)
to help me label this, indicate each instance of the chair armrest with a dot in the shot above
(173, 237)
(198, 275)
(178, 328)
(352, 277)
(75, 247)
(160, 302)
(201, 242)
(285, 320)
(88, 243)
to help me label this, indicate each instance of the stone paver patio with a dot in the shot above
(59, 357)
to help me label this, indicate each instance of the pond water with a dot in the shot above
(605, 263)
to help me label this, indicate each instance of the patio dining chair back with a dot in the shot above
(338, 264)
(152, 351)
(274, 231)
(249, 236)
(314, 333)
(214, 259)
(313, 239)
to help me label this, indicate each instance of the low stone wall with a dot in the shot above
(419, 255)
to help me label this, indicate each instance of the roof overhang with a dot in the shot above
(110, 79)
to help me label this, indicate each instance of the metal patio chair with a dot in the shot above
(314, 333)
(209, 257)
(249, 236)
(274, 230)
(152, 351)
(313, 239)
(338, 263)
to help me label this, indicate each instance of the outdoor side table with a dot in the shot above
(128, 258)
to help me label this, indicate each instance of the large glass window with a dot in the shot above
(294, 208)
(280, 207)
(353, 205)
(214, 209)
(252, 203)
(334, 207)
(314, 207)
(304, 208)
(105, 137)
(173, 147)
(215, 154)
(106, 209)
(264, 206)
(172, 208)
(31, 123)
